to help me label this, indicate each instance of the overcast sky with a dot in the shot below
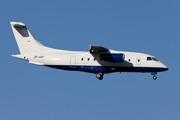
(30, 92)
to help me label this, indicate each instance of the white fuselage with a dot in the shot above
(98, 60)
(87, 62)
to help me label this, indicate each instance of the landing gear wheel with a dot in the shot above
(154, 77)
(99, 75)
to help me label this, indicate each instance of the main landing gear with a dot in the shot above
(99, 75)
(154, 73)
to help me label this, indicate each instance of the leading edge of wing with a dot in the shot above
(98, 49)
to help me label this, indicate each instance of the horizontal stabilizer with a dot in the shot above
(18, 24)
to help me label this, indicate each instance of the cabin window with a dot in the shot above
(88, 59)
(129, 60)
(81, 59)
(138, 60)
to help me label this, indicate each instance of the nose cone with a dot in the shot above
(164, 67)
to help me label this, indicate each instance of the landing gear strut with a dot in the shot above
(99, 75)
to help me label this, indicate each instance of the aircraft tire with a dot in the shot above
(154, 77)
(99, 75)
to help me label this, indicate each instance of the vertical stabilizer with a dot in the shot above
(27, 43)
(25, 40)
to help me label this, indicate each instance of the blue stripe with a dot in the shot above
(107, 69)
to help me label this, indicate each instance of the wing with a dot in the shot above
(98, 49)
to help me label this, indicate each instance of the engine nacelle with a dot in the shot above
(115, 57)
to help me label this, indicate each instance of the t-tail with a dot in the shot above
(27, 44)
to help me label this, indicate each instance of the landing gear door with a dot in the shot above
(73, 62)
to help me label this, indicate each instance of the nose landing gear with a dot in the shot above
(154, 73)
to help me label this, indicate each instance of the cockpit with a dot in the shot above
(152, 59)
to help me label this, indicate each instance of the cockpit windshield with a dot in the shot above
(155, 59)
(152, 59)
